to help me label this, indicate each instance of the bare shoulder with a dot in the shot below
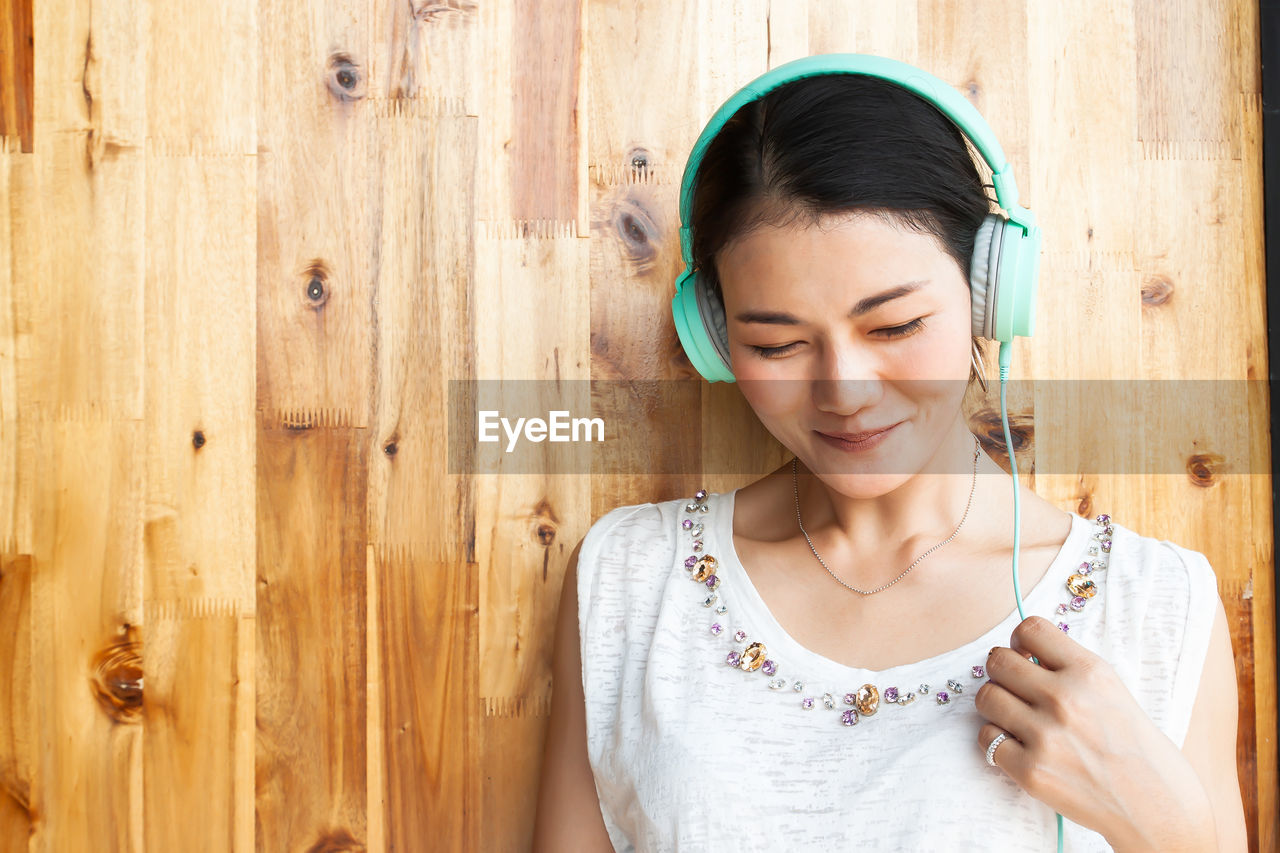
(568, 810)
(1210, 744)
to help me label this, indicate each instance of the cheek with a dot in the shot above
(768, 396)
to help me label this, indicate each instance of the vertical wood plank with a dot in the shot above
(17, 60)
(17, 710)
(424, 745)
(424, 597)
(199, 527)
(314, 216)
(310, 674)
(80, 377)
(86, 597)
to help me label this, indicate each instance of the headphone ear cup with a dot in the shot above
(712, 310)
(701, 327)
(984, 274)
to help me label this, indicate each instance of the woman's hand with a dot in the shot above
(1080, 743)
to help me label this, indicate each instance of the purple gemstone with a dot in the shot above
(849, 699)
(769, 667)
(943, 698)
(806, 702)
(1062, 608)
(1106, 546)
(849, 717)
(979, 672)
(690, 562)
(716, 628)
(1063, 626)
(711, 582)
(732, 658)
(739, 635)
(1103, 519)
(700, 494)
(687, 523)
(891, 694)
(1077, 602)
(1084, 567)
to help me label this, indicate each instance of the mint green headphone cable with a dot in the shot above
(1006, 352)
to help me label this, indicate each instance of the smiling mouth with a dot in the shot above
(860, 436)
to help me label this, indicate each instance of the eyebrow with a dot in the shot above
(864, 306)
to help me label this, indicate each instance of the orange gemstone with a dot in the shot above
(1082, 586)
(752, 657)
(704, 568)
(867, 700)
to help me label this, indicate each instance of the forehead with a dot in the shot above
(850, 249)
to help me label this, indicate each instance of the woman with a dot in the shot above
(831, 655)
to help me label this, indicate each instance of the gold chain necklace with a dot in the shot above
(796, 488)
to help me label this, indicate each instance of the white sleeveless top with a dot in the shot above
(690, 752)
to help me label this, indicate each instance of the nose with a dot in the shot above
(847, 378)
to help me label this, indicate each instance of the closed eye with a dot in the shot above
(905, 329)
(889, 333)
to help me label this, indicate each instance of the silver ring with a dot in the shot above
(991, 747)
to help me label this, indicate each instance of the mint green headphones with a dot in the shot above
(1006, 251)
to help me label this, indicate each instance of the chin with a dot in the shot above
(862, 486)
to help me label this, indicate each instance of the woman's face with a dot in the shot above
(850, 326)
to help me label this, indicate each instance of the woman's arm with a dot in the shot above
(1210, 745)
(568, 814)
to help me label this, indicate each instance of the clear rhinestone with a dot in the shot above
(697, 528)
(828, 700)
(722, 609)
(711, 599)
(924, 688)
(955, 686)
(778, 683)
(797, 686)
(690, 507)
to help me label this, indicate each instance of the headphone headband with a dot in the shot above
(942, 95)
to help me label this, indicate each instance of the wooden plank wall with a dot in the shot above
(244, 605)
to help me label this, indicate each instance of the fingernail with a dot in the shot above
(993, 651)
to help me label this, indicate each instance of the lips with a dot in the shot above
(858, 436)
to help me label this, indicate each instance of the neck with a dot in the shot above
(864, 529)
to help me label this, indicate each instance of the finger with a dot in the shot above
(1024, 679)
(1005, 710)
(1010, 756)
(1050, 645)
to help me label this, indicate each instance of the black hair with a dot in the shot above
(831, 144)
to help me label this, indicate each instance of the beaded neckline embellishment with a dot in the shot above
(751, 655)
